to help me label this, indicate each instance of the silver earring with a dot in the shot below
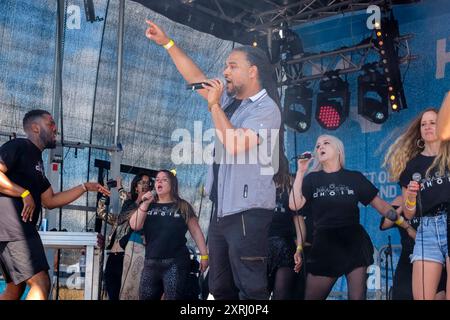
(420, 143)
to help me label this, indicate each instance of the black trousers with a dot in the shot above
(238, 251)
(113, 275)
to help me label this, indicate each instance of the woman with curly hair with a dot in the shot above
(419, 160)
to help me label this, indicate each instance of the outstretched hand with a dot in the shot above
(156, 34)
(95, 186)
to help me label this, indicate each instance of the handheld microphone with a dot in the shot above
(391, 215)
(153, 192)
(417, 177)
(196, 86)
(303, 156)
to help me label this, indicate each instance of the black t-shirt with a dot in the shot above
(282, 222)
(229, 111)
(434, 190)
(165, 232)
(305, 211)
(334, 197)
(25, 168)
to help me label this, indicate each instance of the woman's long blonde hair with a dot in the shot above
(317, 166)
(408, 146)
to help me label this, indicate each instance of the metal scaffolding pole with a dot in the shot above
(52, 175)
(116, 156)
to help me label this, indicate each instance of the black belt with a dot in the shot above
(116, 253)
(438, 210)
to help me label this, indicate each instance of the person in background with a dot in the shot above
(134, 245)
(303, 248)
(164, 218)
(282, 278)
(121, 231)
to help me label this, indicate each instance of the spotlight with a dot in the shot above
(332, 101)
(286, 44)
(291, 46)
(373, 95)
(298, 107)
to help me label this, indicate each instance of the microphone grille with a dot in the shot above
(391, 215)
(154, 193)
(417, 177)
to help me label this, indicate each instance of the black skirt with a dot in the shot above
(338, 251)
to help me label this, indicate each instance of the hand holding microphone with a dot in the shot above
(196, 86)
(412, 193)
(147, 198)
(303, 161)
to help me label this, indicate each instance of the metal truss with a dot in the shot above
(306, 11)
(269, 14)
(350, 59)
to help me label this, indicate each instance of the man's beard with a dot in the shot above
(47, 140)
(233, 91)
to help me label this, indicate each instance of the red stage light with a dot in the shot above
(329, 117)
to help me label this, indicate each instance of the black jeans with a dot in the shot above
(238, 250)
(113, 275)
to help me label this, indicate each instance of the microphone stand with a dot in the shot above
(387, 254)
(102, 252)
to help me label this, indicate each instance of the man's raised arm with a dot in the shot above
(187, 68)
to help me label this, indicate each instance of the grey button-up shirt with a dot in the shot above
(247, 183)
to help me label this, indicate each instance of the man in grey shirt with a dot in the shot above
(240, 181)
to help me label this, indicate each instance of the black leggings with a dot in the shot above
(319, 287)
(166, 276)
(281, 276)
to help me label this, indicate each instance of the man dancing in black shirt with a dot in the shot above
(24, 189)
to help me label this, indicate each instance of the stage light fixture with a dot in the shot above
(298, 107)
(373, 95)
(286, 44)
(385, 41)
(332, 101)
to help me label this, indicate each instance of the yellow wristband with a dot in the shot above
(299, 248)
(204, 257)
(399, 221)
(25, 194)
(409, 203)
(169, 44)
